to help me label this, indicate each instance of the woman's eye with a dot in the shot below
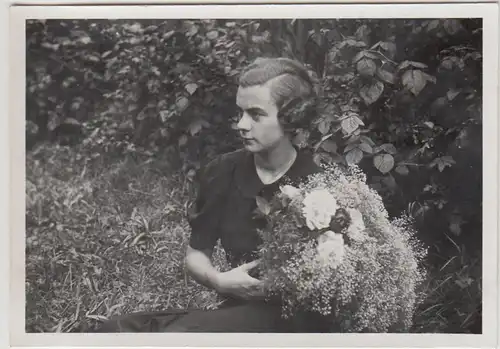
(255, 114)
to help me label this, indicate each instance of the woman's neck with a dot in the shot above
(276, 160)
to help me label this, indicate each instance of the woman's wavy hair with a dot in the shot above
(294, 90)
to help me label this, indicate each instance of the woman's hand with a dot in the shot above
(238, 283)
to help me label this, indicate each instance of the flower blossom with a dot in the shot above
(319, 206)
(290, 191)
(330, 248)
(357, 226)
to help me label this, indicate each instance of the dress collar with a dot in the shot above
(249, 183)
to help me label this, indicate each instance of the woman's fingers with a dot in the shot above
(258, 291)
(249, 266)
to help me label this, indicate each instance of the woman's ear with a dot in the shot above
(299, 112)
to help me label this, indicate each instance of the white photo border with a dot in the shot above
(487, 11)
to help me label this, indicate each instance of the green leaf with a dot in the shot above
(135, 28)
(352, 43)
(452, 26)
(320, 158)
(371, 93)
(48, 45)
(388, 148)
(442, 162)
(366, 148)
(182, 103)
(259, 39)
(350, 147)
(85, 40)
(344, 78)
(351, 124)
(474, 55)
(448, 63)
(329, 146)
(402, 170)
(464, 282)
(106, 54)
(432, 25)
(263, 205)
(386, 76)
(456, 224)
(354, 156)
(452, 93)
(366, 67)
(168, 34)
(191, 88)
(429, 77)
(429, 124)
(438, 104)
(358, 56)
(192, 29)
(383, 162)
(212, 35)
(324, 138)
(165, 115)
(408, 64)
(363, 33)
(195, 127)
(414, 81)
(178, 55)
(390, 182)
(367, 140)
(448, 160)
(182, 140)
(324, 126)
(389, 48)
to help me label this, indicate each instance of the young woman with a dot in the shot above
(269, 91)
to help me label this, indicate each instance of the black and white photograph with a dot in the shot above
(256, 175)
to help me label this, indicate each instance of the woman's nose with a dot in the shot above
(244, 123)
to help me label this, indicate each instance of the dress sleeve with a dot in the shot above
(205, 213)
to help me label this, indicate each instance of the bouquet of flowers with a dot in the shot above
(330, 247)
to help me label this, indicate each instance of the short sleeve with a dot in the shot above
(205, 213)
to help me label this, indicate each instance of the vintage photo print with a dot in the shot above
(254, 175)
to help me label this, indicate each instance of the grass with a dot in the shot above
(104, 237)
(453, 295)
(107, 235)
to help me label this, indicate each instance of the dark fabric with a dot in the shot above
(226, 202)
(256, 317)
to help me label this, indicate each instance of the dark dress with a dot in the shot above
(224, 210)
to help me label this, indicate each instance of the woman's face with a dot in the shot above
(259, 126)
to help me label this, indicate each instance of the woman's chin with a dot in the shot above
(252, 147)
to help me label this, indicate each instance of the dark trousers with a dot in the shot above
(246, 317)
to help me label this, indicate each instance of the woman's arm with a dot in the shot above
(200, 267)
(235, 282)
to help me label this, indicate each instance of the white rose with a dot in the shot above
(290, 191)
(318, 208)
(357, 227)
(330, 248)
